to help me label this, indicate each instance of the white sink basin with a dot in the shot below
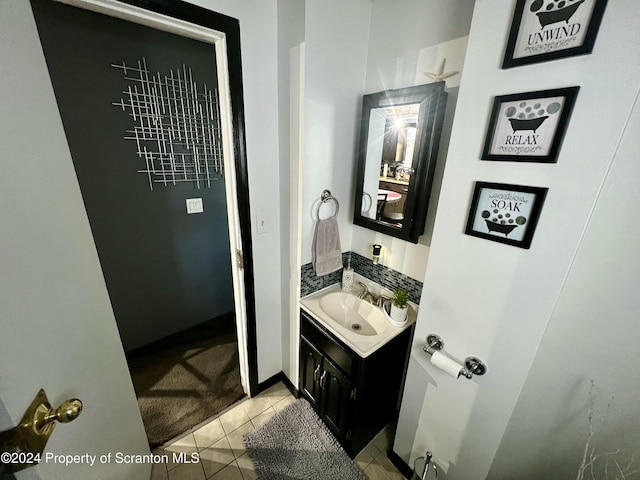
(359, 324)
(354, 314)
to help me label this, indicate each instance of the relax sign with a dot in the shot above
(528, 126)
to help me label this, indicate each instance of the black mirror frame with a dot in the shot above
(432, 99)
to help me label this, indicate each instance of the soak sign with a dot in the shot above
(503, 213)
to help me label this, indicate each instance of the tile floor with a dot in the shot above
(373, 459)
(221, 452)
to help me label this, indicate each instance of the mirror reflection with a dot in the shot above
(399, 136)
(389, 162)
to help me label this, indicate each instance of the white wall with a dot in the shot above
(489, 299)
(58, 328)
(325, 93)
(336, 39)
(403, 44)
(334, 83)
(592, 337)
(290, 38)
(297, 62)
(400, 29)
(258, 37)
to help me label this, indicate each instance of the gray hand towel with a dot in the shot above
(326, 253)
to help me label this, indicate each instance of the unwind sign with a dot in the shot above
(552, 25)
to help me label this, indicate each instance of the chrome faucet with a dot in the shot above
(366, 294)
(377, 300)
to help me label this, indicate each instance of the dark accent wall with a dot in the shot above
(165, 270)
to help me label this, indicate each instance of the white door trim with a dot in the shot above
(165, 23)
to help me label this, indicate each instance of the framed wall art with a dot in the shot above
(529, 127)
(505, 213)
(544, 30)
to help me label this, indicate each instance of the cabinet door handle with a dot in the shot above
(323, 379)
(316, 372)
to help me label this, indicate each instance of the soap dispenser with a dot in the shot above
(347, 277)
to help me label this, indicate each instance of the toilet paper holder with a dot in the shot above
(472, 365)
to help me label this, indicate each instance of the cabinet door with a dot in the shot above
(335, 391)
(310, 370)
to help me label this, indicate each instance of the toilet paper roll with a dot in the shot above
(446, 364)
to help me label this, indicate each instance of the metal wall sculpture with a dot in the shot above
(176, 127)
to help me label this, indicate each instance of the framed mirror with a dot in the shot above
(399, 138)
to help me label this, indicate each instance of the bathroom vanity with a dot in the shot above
(354, 389)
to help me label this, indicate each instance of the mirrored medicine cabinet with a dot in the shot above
(398, 146)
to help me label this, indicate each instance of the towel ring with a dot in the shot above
(326, 197)
(365, 211)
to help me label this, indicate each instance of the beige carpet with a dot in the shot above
(183, 379)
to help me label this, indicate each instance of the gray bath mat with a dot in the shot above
(296, 445)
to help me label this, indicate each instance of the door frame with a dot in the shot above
(223, 32)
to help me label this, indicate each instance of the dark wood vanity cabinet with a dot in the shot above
(355, 397)
(326, 388)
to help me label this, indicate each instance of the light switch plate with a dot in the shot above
(194, 205)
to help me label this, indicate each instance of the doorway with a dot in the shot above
(172, 282)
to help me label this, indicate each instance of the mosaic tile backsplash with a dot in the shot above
(388, 278)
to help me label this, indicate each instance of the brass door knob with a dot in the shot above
(68, 411)
(35, 428)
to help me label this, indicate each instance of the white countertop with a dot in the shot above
(362, 345)
(393, 180)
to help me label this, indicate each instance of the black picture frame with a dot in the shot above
(499, 210)
(529, 127)
(544, 30)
